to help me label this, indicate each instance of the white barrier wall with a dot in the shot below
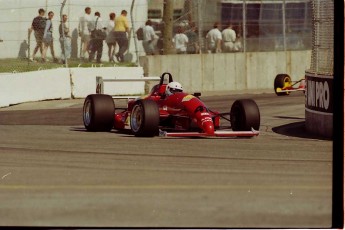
(34, 86)
(198, 73)
(66, 83)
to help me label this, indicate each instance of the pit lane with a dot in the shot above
(54, 173)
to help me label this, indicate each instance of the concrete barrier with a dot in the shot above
(34, 86)
(228, 71)
(196, 72)
(64, 83)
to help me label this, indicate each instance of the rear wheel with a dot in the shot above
(281, 81)
(145, 118)
(244, 115)
(98, 113)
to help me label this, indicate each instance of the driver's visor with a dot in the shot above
(175, 90)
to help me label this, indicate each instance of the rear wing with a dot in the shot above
(100, 84)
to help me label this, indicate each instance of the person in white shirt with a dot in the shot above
(111, 39)
(85, 27)
(96, 45)
(214, 39)
(229, 39)
(149, 38)
(180, 41)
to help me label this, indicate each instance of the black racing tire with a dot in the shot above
(144, 118)
(279, 82)
(99, 113)
(244, 115)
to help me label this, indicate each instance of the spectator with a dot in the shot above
(193, 44)
(180, 41)
(96, 45)
(85, 27)
(38, 26)
(149, 38)
(65, 39)
(110, 40)
(48, 41)
(121, 30)
(214, 39)
(238, 42)
(229, 39)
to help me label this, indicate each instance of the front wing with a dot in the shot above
(280, 90)
(222, 133)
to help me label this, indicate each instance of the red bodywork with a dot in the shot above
(180, 111)
(183, 113)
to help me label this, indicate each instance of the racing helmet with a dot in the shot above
(173, 87)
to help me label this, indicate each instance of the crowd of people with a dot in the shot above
(186, 39)
(93, 31)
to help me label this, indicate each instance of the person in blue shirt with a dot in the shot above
(48, 41)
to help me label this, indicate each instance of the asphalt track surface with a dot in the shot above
(54, 173)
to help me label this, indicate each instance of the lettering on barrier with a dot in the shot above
(319, 94)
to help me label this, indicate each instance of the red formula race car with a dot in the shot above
(174, 114)
(284, 86)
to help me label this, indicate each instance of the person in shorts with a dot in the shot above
(38, 26)
(48, 41)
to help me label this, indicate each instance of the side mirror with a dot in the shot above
(197, 94)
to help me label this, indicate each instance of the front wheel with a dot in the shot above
(98, 113)
(244, 115)
(282, 81)
(144, 118)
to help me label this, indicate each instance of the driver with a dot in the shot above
(173, 87)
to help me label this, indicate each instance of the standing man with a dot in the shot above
(180, 41)
(65, 40)
(121, 34)
(97, 43)
(38, 25)
(149, 38)
(193, 40)
(48, 41)
(84, 27)
(214, 39)
(229, 39)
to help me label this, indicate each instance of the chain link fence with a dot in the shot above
(17, 44)
(265, 25)
(323, 37)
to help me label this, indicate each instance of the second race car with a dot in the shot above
(284, 86)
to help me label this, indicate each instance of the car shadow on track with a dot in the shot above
(82, 129)
(297, 129)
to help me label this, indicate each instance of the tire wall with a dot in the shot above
(319, 104)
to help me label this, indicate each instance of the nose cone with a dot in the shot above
(208, 127)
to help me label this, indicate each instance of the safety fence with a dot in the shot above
(17, 44)
(265, 25)
(323, 37)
